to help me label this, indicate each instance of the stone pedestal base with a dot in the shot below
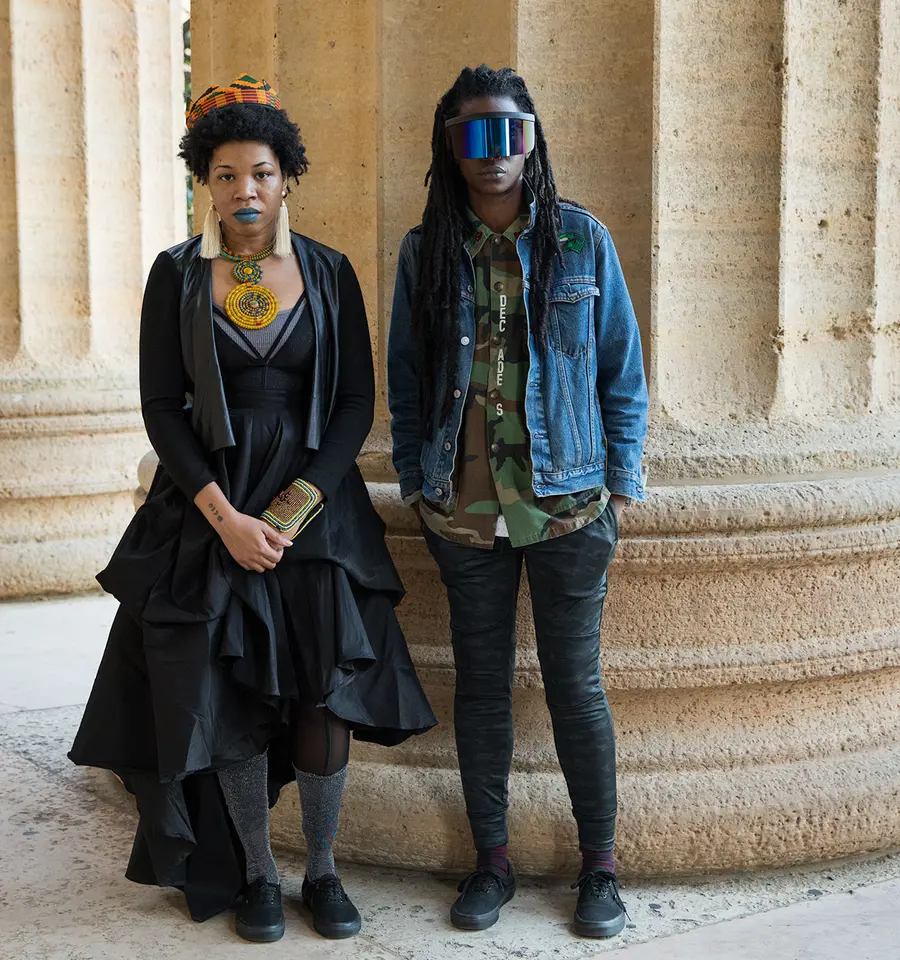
(66, 484)
(752, 655)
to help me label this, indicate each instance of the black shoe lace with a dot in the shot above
(331, 890)
(263, 893)
(600, 885)
(479, 882)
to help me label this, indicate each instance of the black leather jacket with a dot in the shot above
(319, 265)
(185, 410)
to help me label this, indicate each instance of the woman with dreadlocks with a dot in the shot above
(519, 413)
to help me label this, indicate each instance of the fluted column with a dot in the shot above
(745, 158)
(886, 306)
(775, 161)
(87, 137)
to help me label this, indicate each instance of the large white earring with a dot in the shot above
(211, 243)
(283, 233)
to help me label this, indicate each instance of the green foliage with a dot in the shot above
(189, 180)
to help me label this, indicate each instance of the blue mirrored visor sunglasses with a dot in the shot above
(481, 136)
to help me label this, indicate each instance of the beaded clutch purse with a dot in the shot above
(293, 509)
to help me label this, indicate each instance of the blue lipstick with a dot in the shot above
(246, 215)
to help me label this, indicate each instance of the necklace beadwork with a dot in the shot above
(250, 305)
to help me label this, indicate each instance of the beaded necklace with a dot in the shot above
(250, 305)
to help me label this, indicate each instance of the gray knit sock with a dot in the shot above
(320, 800)
(245, 786)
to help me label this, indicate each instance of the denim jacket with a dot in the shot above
(586, 397)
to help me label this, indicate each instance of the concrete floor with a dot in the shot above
(65, 835)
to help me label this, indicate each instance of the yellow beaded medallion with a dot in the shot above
(250, 305)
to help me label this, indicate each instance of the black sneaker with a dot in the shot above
(334, 915)
(259, 916)
(481, 895)
(600, 911)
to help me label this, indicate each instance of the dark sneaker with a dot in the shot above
(481, 895)
(259, 916)
(600, 911)
(334, 915)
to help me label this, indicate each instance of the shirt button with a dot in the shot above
(498, 286)
(448, 445)
(495, 394)
(464, 341)
(457, 394)
(469, 288)
(438, 492)
(495, 339)
(495, 448)
(497, 238)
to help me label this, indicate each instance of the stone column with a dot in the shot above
(87, 135)
(745, 159)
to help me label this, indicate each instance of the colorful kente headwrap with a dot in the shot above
(243, 90)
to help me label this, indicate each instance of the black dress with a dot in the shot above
(205, 659)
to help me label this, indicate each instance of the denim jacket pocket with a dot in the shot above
(571, 317)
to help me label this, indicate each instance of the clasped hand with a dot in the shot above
(252, 543)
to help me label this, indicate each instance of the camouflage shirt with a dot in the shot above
(493, 472)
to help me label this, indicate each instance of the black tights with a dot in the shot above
(321, 740)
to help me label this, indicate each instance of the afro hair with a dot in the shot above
(244, 122)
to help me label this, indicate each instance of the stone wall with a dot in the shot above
(745, 158)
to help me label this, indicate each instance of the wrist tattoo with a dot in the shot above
(216, 513)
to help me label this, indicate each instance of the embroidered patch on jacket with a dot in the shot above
(571, 242)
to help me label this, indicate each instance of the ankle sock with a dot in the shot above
(320, 801)
(493, 858)
(593, 861)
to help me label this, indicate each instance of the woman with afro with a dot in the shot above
(256, 625)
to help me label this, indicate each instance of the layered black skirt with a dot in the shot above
(205, 659)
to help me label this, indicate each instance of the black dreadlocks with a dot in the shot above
(445, 228)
